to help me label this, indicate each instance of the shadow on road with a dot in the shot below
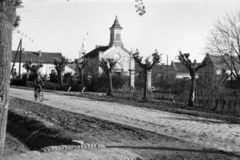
(177, 149)
(201, 120)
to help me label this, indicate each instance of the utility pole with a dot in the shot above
(20, 58)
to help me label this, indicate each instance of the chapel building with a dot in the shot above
(115, 49)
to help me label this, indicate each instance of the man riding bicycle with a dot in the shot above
(38, 84)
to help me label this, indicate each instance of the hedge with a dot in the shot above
(55, 86)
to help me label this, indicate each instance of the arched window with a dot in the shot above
(118, 38)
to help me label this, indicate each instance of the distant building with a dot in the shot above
(181, 70)
(45, 58)
(216, 63)
(70, 68)
(115, 49)
(164, 72)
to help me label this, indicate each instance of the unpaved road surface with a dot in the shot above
(209, 133)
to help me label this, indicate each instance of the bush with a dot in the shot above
(47, 85)
(55, 86)
(30, 84)
(100, 82)
(18, 82)
(53, 77)
(32, 76)
(52, 86)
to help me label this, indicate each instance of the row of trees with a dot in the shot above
(224, 39)
(8, 21)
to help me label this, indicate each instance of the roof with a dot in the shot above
(95, 52)
(72, 66)
(125, 50)
(181, 67)
(219, 62)
(116, 24)
(156, 68)
(45, 57)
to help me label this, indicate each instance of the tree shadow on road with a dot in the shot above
(236, 154)
(201, 120)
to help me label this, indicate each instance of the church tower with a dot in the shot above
(115, 34)
(83, 50)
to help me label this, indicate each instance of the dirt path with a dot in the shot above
(207, 132)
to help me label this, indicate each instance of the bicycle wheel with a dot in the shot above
(35, 95)
(41, 96)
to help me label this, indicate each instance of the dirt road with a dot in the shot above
(207, 132)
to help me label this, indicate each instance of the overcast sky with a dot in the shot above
(168, 25)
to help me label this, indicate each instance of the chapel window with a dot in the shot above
(118, 37)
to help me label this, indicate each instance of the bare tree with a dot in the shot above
(146, 66)
(8, 20)
(224, 41)
(193, 68)
(81, 63)
(107, 66)
(34, 68)
(140, 7)
(60, 67)
(28, 66)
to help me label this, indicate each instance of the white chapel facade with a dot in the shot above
(115, 49)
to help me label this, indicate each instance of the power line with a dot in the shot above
(24, 35)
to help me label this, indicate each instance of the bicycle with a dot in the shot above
(38, 94)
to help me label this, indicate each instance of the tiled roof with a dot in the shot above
(180, 67)
(116, 24)
(219, 62)
(34, 56)
(156, 69)
(95, 52)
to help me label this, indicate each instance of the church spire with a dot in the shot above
(116, 24)
(115, 34)
(83, 50)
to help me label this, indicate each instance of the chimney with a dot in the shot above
(39, 53)
(195, 62)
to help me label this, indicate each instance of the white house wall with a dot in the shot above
(69, 70)
(45, 70)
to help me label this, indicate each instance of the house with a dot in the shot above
(70, 68)
(46, 58)
(164, 72)
(115, 49)
(215, 65)
(176, 70)
(181, 71)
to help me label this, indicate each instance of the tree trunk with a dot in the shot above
(5, 64)
(145, 85)
(192, 89)
(81, 72)
(110, 84)
(60, 80)
(27, 75)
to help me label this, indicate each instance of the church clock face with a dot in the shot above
(117, 56)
